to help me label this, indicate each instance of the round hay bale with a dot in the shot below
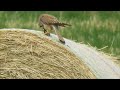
(24, 55)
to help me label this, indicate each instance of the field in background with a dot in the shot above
(100, 29)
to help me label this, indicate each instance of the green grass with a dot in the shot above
(99, 29)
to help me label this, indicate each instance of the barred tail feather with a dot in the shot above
(60, 24)
(64, 24)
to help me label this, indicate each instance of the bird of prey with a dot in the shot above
(50, 23)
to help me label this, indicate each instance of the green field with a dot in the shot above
(99, 29)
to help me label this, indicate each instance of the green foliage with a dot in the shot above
(98, 28)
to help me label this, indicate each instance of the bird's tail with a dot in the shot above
(61, 24)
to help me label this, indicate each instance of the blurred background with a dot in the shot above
(100, 29)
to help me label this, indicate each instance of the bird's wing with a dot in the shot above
(47, 19)
(51, 20)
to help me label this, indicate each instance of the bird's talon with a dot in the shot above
(62, 41)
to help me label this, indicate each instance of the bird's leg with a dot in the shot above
(58, 34)
(46, 32)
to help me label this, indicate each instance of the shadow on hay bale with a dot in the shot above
(24, 55)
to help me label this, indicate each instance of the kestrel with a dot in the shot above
(50, 23)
